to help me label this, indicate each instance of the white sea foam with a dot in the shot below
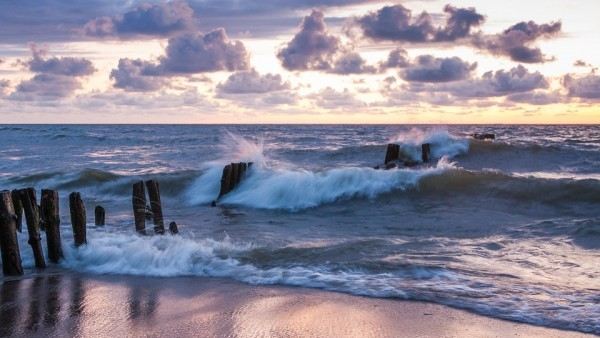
(442, 143)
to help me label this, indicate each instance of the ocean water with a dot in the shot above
(508, 228)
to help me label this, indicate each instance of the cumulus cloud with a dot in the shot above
(189, 53)
(352, 63)
(330, 98)
(68, 66)
(312, 47)
(136, 75)
(197, 53)
(430, 69)
(516, 41)
(4, 86)
(54, 77)
(161, 19)
(585, 87)
(537, 98)
(397, 23)
(398, 58)
(251, 82)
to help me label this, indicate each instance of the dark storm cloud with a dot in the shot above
(160, 19)
(586, 87)
(68, 66)
(430, 69)
(251, 82)
(186, 54)
(312, 47)
(397, 23)
(516, 41)
(55, 77)
(352, 63)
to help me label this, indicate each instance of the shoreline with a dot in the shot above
(73, 304)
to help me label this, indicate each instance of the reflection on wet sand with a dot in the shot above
(142, 303)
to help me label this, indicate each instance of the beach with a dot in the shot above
(80, 305)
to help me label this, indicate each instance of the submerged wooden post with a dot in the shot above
(32, 216)
(392, 153)
(173, 228)
(138, 200)
(9, 246)
(78, 218)
(50, 215)
(18, 209)
(425, 152)
(155, 205)
(99, 215)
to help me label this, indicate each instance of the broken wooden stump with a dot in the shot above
(173, 228)
(138, 200)
(156, 206)
(99, 215)
(484, 136)
(425, 152)
(50, 214)
(32, 217)
(9, 246)
(18, 209)
(392, 153)
(233, 174)
(78, 218)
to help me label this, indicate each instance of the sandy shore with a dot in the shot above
(66, 305)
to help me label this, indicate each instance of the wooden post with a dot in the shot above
(225, 180)
(32, 216)
(138, 200)
(50, 214)
(425, 152)
(11, 257)
(78, 218)
(233, 174)
(100, 215)
(155, 205)
(392, 153)
(18, 209)
(173, 228)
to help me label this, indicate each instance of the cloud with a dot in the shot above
(189, 53)
(537, 98)
(430, 69)
(330, 98)
(68, 66)
(515, 42)
(136, 75)
(251, 82)
(581, 63)
(4, 87)
(197, 53)
(352, 63)
(398, 58)
(312, 48)
(585, 87)
(397, 23)
(54, 77)
(161, 19)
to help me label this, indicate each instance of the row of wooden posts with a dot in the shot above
(46, 217)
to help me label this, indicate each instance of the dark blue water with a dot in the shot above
(509, 228)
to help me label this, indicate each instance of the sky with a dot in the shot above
(300, 61)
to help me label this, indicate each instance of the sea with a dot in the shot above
(508, 228)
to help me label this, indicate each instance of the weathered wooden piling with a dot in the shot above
(9, 246)
(233, 174)
(99, 215)
(425, 152)
(173, 228)
(392, 153)
(138, 200)
(156, 206)
(18, 208)
(485, 136)
(78, 218)
(32, 217)
(50, 214)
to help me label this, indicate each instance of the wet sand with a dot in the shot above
(76, 305)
